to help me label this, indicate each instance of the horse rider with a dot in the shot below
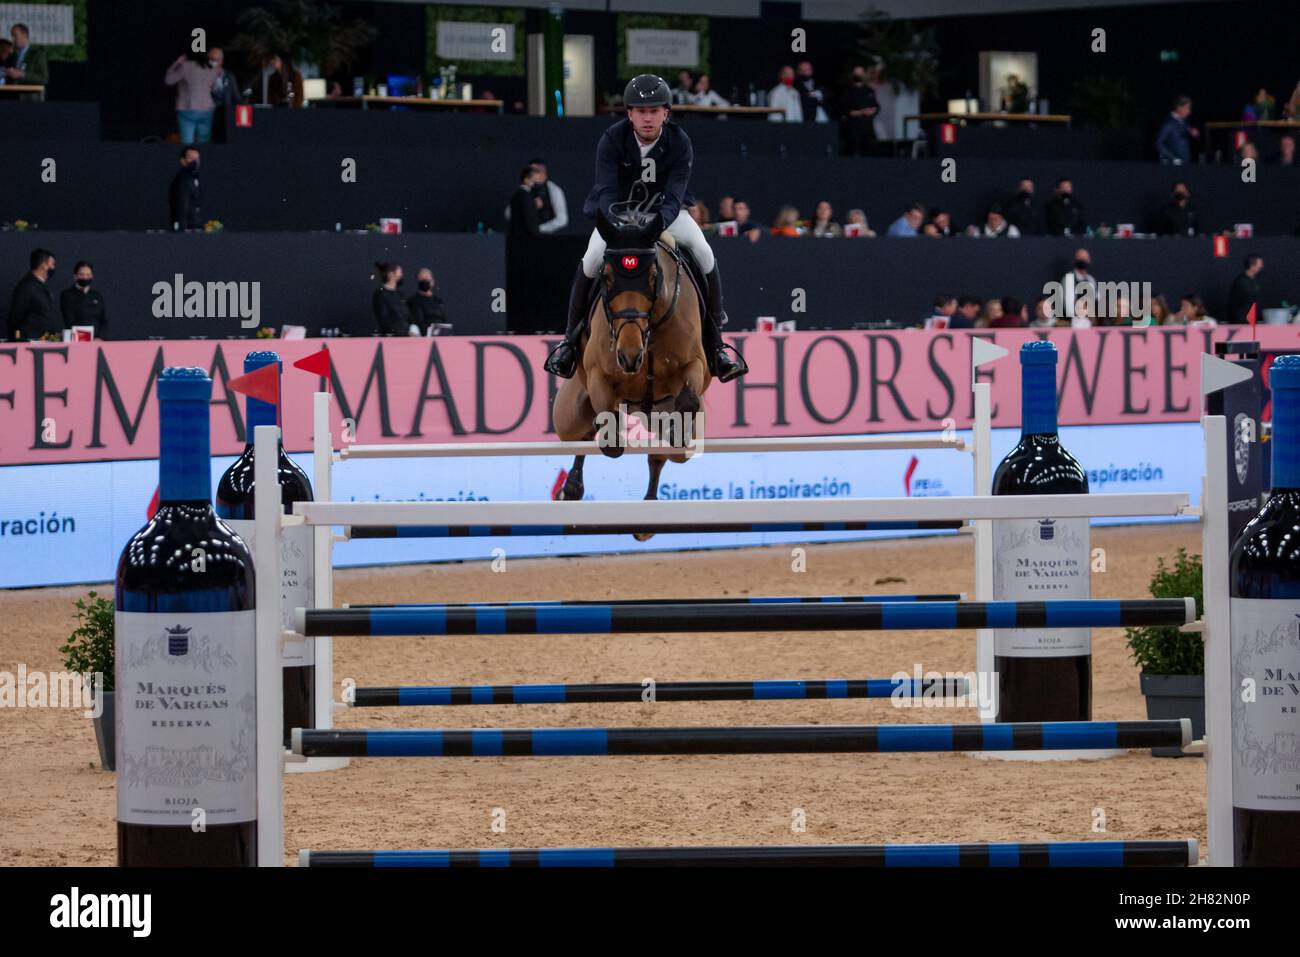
(646, 146)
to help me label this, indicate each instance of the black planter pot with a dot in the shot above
(1175, 696)
(106, 733)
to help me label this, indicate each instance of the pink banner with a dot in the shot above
(97, 401)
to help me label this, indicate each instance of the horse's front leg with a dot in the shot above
(604, 400)
(656, 463)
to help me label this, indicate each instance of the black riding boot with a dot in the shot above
(563, 360)
(721, 363)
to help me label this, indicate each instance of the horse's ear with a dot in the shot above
(605, 228)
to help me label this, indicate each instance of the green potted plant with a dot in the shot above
(1173, 661)
(89, 651)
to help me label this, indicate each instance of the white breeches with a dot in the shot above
(684, 229)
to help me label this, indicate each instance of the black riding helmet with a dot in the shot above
(647, 90)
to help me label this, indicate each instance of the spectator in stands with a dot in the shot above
(1174, 141)
(1043, 317)
(6, 51)
(1013, 314)
(81, 305)
(909, 223)
(553, 213)
(526, 204)
(284, 85)
(858, 125)
(726, 209)
(938, 223)
(705, 95)
(1248, 151)
(967, 314)
(1244, 294)
(27, 65)
(858, 219)
(793, 99)
(425, 306)
(225, 96)
(1178, 217)
(822, 224)
(788, 223)
(685, 87)
(184, 200)
(31, 308)
(1262, 107)
(1019, 210)
(1191, 312)
(1292, 109)
(700, 213)
(995, 225)
(392, 316)
(1063, 213)
(945, 306)
(1286, 150)
(992, 314)
(744, 225)
(1079, 283)
(193, 79)
(813, 97)
(1159, 311)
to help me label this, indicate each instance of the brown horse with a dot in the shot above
(642, 350)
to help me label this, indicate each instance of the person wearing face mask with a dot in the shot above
(184, 197)
(792, 100)
(225, 96)
(858, 127)
(81, 305)
(1244, 294)
(1178, 217)
(1063, 213)
(193, 79)
(1019, 210)
(1078, 283)
(392, 317)
(31, 309)
(426, 305)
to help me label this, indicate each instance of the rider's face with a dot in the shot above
(647, 120)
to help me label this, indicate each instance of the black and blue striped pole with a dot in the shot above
(1055, 854)
(790, 690)
(760, 739)
(536, 619)
(739, 600)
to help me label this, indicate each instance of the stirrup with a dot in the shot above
(738, 365)
(556, 366)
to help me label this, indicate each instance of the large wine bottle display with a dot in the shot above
(1264, 599)
(185, 670)
(235, 506)
(1043, 674)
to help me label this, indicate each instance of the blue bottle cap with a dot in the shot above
(1284, 373)
(255, 360)
(184, 383)
(1038, 352)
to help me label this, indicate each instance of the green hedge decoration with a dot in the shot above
(65, 53)
(655, 21)
(512, 15)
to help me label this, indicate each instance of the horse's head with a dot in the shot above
(631, 281)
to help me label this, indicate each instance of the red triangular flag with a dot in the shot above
(153, 503)
(263, 384)
(318, 363)
(559, 484)
(1250, 317)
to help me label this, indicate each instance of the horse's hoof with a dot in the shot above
(569, 492)
(643, 536)
(612, 451)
